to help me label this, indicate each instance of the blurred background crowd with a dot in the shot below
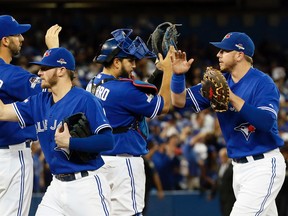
(187, 150)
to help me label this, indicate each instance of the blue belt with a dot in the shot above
(244, 159)
(70, 176)
(27, 145)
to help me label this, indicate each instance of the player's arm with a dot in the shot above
(95, 143)
(236, 101)
(261, 118)
(7, 112)
(180, 66)
(165, 66)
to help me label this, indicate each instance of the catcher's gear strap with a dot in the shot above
(143, 86)
(94, 86)
(140, 123)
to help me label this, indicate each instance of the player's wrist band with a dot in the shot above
(178, 83)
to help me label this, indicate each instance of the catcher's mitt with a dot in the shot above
(215, 88)
(163, 36)
(159, 41)
(79, 127)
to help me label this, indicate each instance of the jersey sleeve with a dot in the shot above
(267, 97)
(141, 103)
(96, 115)
(22, 84)
(24, 111)
(195, 100)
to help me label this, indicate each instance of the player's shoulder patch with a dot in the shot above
(142, 86)
(34, 81)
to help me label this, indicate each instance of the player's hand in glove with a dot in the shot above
(180, 65)
(215, 88)
(62, 136)
(76, 126)
(164, 36)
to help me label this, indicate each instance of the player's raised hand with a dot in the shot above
(162, 64)
(52, 36)
(180, 65)
(62, 136)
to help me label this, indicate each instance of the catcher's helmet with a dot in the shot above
(121, 46)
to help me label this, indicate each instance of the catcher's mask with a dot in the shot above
(122, 46)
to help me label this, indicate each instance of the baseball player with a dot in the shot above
(249, 126)
(77, 187)
(16, 84)
(127, 103)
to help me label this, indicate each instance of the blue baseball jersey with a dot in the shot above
(123, 103)
(39, 110)
(242, 138)
(16, 84)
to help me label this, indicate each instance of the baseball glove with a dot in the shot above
(215, 88)
(163, 36)
(159, 41)
(79, 127)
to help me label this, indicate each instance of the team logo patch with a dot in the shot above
(47, 53)
(246, 129)
(227, 36)
(149, 97)
(34, 81)
(61, 61)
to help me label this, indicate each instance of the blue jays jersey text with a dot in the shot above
(39, 110)
(16, 84)
(123, 103)
(243, 138)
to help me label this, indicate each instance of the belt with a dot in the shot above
(20, 146)
(71, 176)
(123, 155)
(245, 160)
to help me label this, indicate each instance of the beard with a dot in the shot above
(14, 49)
(124, 73)
(51, 82)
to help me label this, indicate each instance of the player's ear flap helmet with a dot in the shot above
(122, 46)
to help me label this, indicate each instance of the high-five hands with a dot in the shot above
(180, 65)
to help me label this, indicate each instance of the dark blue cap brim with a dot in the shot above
(42, 64)
(49, 65)
(221, 45)
(21, 29)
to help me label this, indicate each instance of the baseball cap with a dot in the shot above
(57, 57)
(9, 26)
(237, 41)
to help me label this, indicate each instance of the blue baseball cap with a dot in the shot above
(9, 26)
(57, 57)
(237, 41)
